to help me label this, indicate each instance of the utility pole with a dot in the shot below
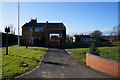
(18, 28)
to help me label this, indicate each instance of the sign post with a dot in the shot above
(7, 29)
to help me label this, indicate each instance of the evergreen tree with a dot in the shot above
(93, 48)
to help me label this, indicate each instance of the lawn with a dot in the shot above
(107, 52)
(17, 63)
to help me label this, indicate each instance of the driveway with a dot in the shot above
(58, 64)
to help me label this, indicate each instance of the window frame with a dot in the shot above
(39, 29)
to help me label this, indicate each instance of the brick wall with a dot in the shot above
(26, 35)
(103, 64)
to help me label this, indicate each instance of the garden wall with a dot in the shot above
(103, 64)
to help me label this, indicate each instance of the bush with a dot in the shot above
(94, 48)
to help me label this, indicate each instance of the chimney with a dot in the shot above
(47, 22)
(33, 21)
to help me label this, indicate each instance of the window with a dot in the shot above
(30, 29)
(39, 38)
(35, 37)
(31, 41)
(39, 29)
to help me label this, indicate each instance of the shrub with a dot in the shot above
(94, 48)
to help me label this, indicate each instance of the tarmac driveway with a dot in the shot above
(58, 64)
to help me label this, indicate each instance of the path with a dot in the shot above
(58, 64)
(8, 46)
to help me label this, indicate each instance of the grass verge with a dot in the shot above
(19, 62)
(107, 52)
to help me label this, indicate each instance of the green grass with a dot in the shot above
(79, 53)
(16, 63)
(107, 52)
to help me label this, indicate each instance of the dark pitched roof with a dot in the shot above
(47, 25)
(83, 35)
(104, 40)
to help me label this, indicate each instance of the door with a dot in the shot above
(31, 41)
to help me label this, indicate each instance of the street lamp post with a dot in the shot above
(7, 29)
(18, 27)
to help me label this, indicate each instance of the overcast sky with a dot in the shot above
(78, 17)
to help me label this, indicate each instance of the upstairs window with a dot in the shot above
(39, 29)
(31, 29)
(38, 38)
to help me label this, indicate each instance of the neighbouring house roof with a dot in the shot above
(104, 40)
(83, 35)
(48, 26)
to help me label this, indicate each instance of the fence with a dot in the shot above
(12, 39)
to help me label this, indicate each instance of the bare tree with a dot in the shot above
(116, 33)
(118, 29)
(111, 33)
(118, 39)
(96, 33)
(67, 35)
(12, 29)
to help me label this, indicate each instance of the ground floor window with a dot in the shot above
(31, 41)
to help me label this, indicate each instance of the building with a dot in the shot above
(48, 34)
(71, 39)
(84, 38)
